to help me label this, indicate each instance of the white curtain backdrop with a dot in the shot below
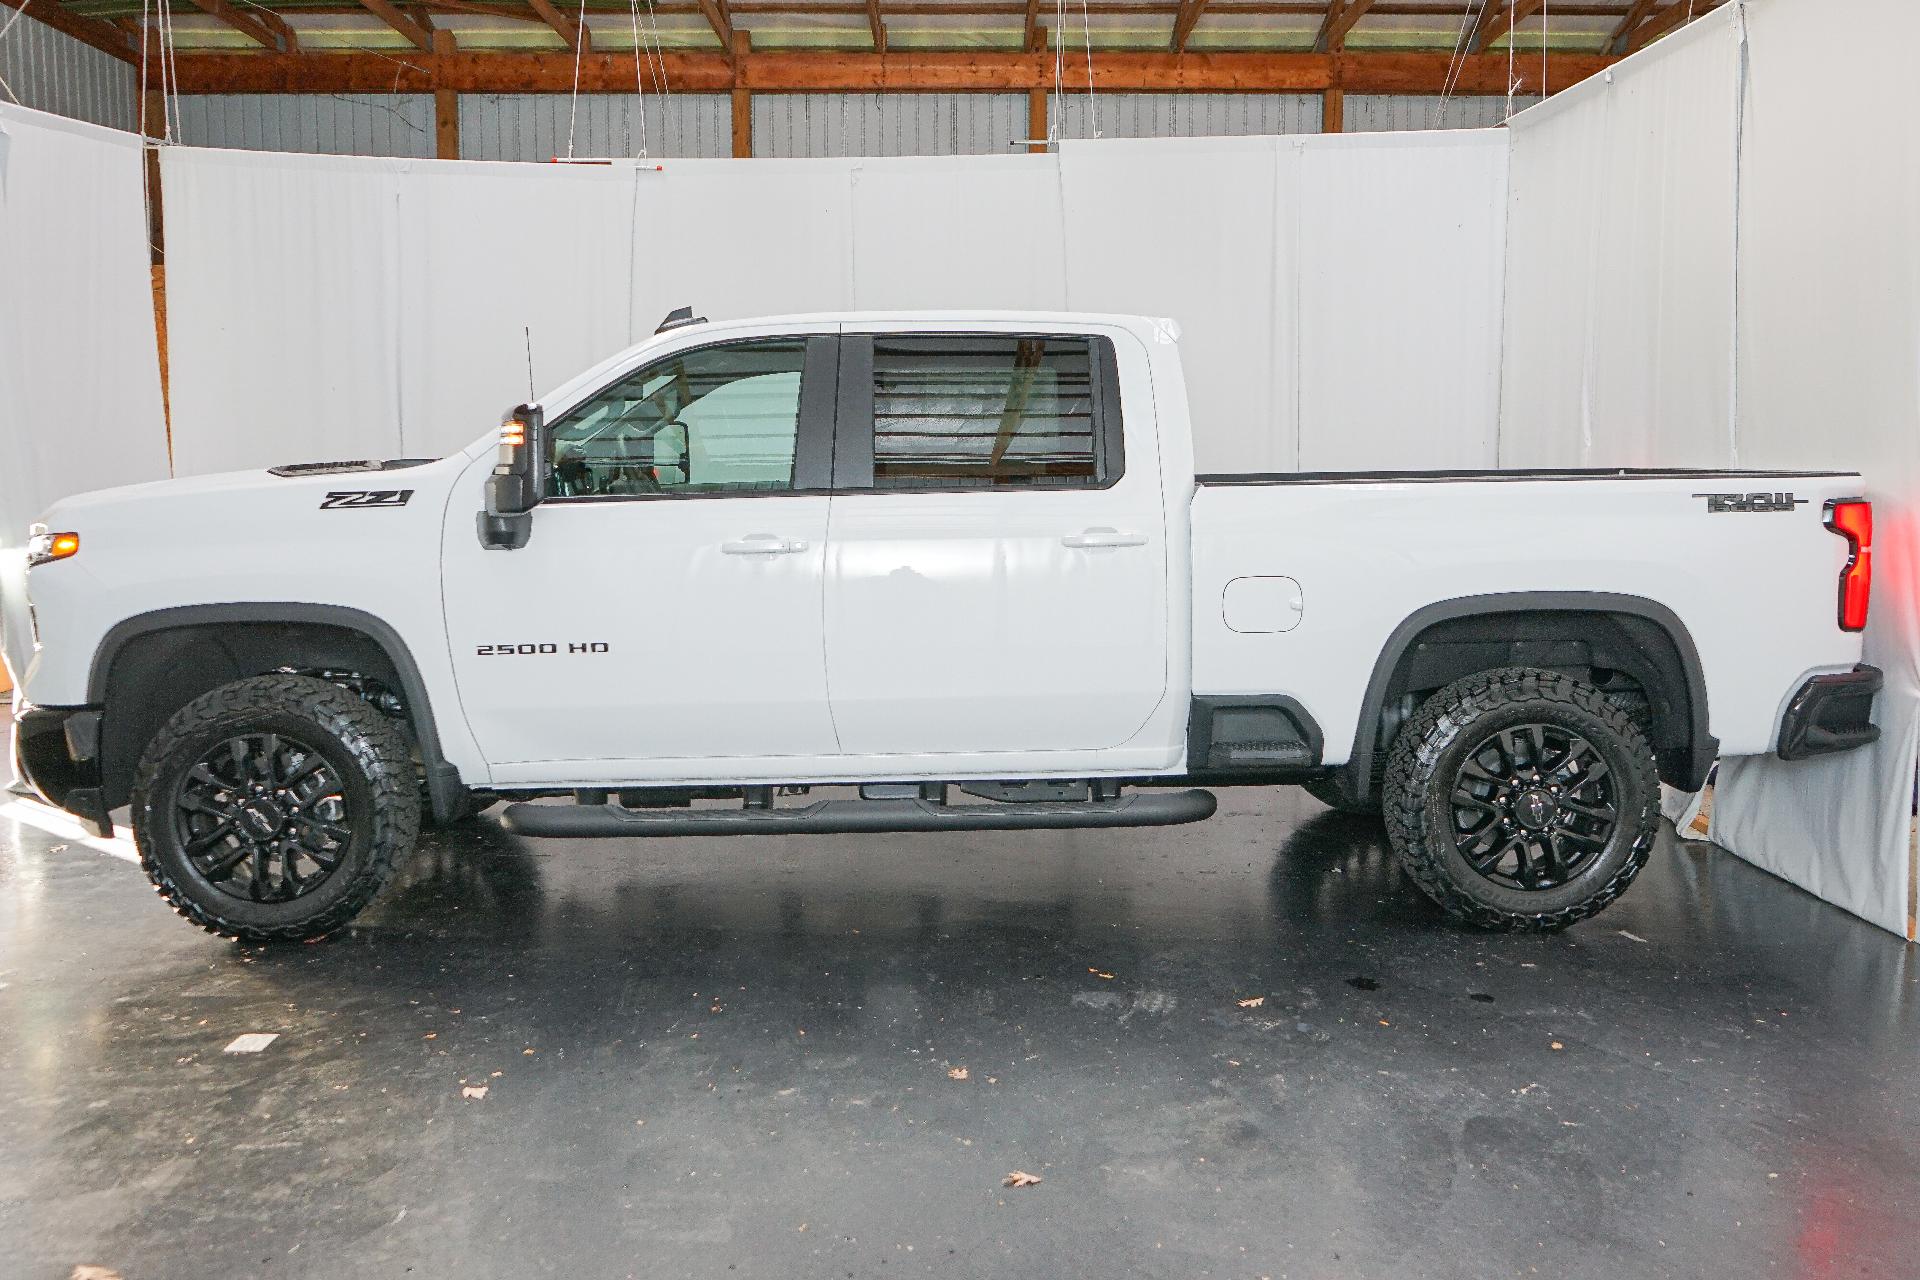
(79, 369)
(1704, 270)
(280, 353)
(1619, 306)
(1829, 372)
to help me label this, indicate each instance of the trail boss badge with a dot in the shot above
(1719, 502)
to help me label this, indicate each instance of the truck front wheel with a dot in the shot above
(1522, 799)
(274, 807)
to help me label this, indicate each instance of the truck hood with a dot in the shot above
(230, 493)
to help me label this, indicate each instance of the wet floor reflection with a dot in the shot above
(1245, 1047)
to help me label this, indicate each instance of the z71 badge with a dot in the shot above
(365, 498)
(1719, 502)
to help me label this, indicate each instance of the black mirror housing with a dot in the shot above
(515, 487)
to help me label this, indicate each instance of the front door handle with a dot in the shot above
(763, 544)
(1103, 537)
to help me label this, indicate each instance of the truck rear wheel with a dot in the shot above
(274, 807)
(1522, 799)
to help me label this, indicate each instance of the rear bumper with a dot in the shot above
(58, 751)
(1831, 713)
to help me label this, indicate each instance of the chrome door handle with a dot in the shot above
(763, 544)
(1103, 537)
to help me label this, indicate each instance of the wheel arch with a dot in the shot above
(1477, 625)
(152, 664)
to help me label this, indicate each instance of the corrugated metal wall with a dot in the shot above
(888, 124)
(1188, 115)
(1383, 113)
(49, 70)
(363, 124)
(533, 126)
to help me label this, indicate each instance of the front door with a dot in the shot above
(667, 607)
(996, 576)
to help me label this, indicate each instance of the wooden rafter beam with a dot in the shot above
(1632, 18)
(103, 36)
(1031, 40)
(717, 16)
(877, 26)
(264, 27)
(1677, 14)
(1339, 20)
(917, 72)
(575, 35)
(1185, 18)
(1499, 19)
(413, 31)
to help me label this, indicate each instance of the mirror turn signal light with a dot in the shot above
(44, 547)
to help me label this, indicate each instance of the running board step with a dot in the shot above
(855, 817)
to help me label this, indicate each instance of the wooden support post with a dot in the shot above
(446, 106)
(1037, 121)
(742, 99)
(155, 105)
(1333, 111)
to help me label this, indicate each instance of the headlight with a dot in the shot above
(44, 547)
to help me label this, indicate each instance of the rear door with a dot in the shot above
(996, 574)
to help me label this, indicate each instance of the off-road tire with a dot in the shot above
(1327, 792)
(1423, 766)
(366, 748)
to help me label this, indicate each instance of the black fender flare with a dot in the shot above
(1358, 771)
(444, 784)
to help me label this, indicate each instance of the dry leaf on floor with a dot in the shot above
(85, 1271)
(1251, 1002)
(1098, 974)
(1019, 1179)
(957, 1073)
(474, 1091)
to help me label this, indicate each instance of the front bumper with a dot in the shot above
(1831, 713)
(58, 751)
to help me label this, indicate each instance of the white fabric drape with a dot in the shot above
(1619, 304)
(1703, 271)
(79, 368)
(334, 307)
(1829, 374)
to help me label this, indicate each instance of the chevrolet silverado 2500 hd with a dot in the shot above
(959, 561)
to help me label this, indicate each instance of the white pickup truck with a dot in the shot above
(959, 561)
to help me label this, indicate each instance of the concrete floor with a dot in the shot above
(708, 1058)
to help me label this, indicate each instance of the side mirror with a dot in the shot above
(514, 488)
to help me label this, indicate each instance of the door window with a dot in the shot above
(991, 411)
(714, 420)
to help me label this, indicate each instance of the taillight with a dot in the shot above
(1852, 519)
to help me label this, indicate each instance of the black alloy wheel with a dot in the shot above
(1533, 805)
(1522, 799)
(263, 817)
(275, 807)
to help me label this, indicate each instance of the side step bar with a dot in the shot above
(855, 817)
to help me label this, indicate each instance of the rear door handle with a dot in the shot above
(763, 544)
(1103, 537)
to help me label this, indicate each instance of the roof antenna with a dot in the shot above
(529, 333)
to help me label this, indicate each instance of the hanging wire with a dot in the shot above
(657, 66)
(639, 77)
(1086, 35)
(1458, 61)
(579, 46)
(1056, 124)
